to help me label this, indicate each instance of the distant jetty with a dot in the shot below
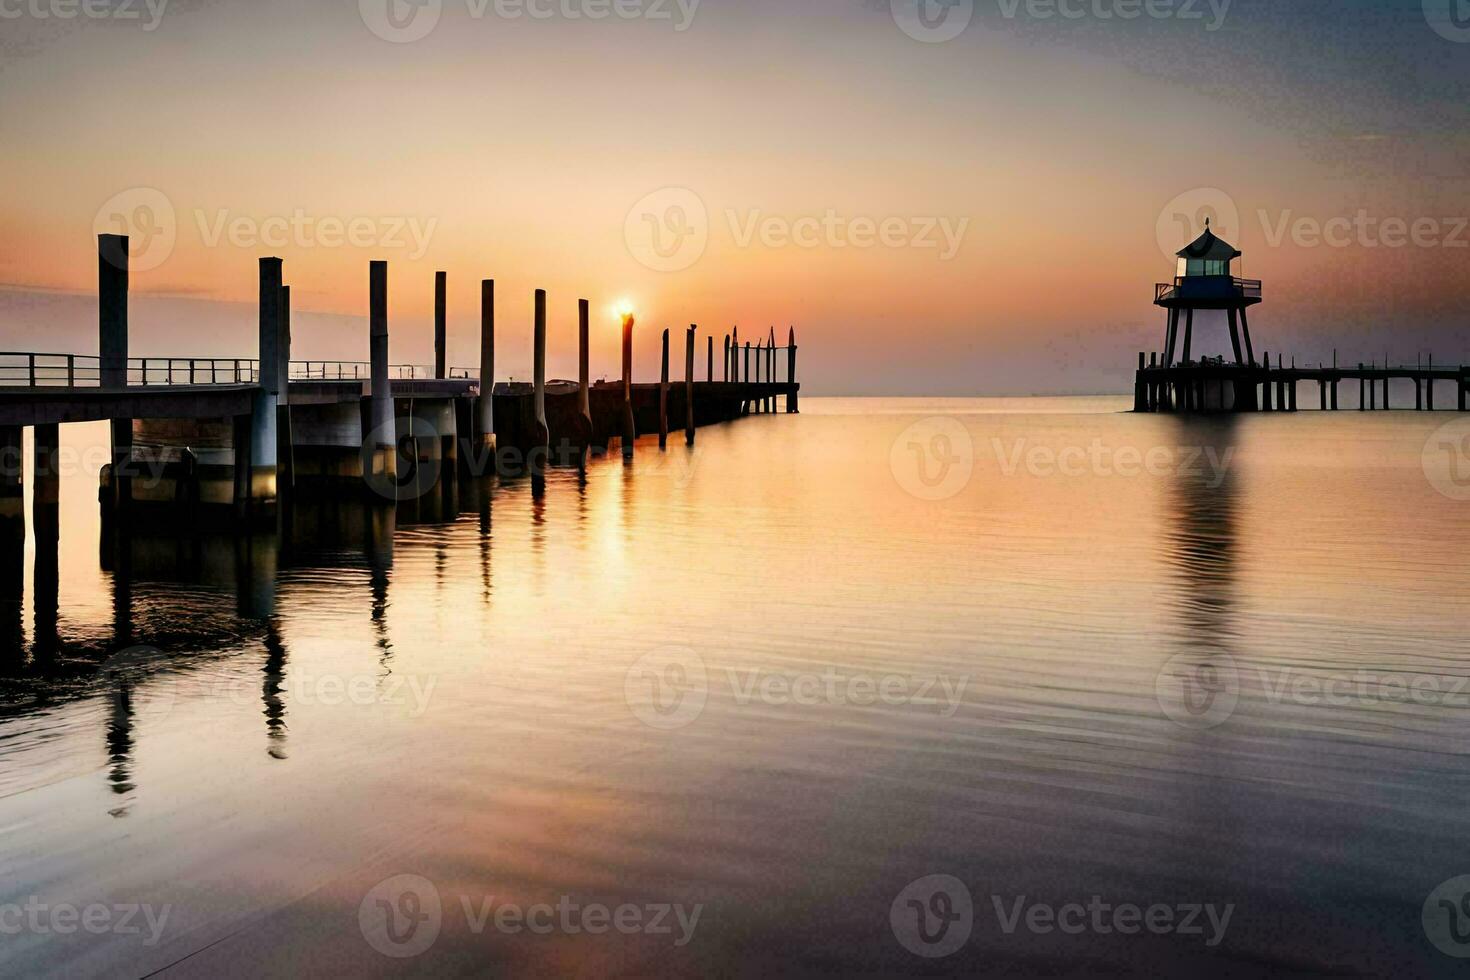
(1204, 280)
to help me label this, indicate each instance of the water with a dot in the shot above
(771, 682)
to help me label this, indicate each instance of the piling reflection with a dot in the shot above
(275, 708)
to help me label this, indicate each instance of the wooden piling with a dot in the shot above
(112, 349)
(689, 386)
(441, 291)
(486, 414)
(727, 358)
(538, 369)
(791, 399)
(382, 455)
(630, 426)
(1140, 403)
(584, 377)
(663, 397)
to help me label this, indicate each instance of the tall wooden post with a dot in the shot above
(663, 396)
(112, 349)
(12, 500)
(265, 423)
(542, 445)
(791, 406)
(584, 370)
(441, 312)
(727, 358)
(382, 452)
(710, 357)
(630, 426)
(747, 362)
(689, 386)
(1138, 399)
(285, 449)
(1266, 382)
(46, 476)
(1362, 389)
(487, 365)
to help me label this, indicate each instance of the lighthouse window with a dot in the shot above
(1216, 268)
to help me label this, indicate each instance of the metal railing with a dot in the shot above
(1245, 288)
(36, 369)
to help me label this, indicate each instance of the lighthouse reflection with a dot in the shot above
(1201, 537)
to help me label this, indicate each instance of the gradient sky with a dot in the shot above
(1071, 150)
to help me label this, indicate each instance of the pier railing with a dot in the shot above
(39, 369)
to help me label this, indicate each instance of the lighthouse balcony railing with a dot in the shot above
(1207, 287)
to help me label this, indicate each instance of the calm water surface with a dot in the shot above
(776, 679)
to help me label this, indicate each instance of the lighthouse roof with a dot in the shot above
(1208, 246)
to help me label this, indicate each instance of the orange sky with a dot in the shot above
(1057, 155)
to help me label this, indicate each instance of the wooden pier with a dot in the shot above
(1218, 387)
(237, 434)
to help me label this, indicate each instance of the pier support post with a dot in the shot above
(791, 395)
(1429, 384)
(1171, 338)
(380, 449)
(264, 422)
(1462, 384)
(485, 416)
(1245, 334)
(441, 313)
(689, 387)
(1321, 395)
(1385, 387)
(1188, 332)
(1266, 382)
(1418, 395)
(727, 358)
(112, 350)
(542, 446)
(285, 447)
(584, 381)
(12, 490)
(747, 362)
(1140, 402)
(1335, 383)
(630, 425)
(710, 357)
(663, 396)
(46, 475)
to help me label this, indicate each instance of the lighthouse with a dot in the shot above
(1205, 279)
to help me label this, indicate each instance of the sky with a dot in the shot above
(966, 198)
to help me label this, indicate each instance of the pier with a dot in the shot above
(234, 435)
(1205, 280)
